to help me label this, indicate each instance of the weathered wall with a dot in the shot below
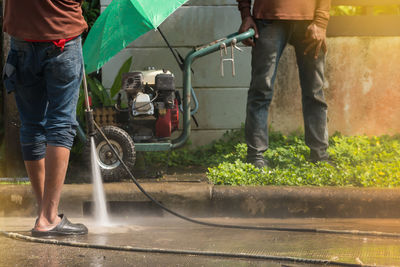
(13, 165)
(362, 87)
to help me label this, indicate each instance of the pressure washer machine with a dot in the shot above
(152, 114)
(149, 109)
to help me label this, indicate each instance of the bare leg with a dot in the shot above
(35, 171)
(56, 163)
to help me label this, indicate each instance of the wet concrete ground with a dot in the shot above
(171, 233)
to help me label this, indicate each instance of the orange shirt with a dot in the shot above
(316, 10)
(44, 19)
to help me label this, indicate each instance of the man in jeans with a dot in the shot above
(44, 70)
(301, 23)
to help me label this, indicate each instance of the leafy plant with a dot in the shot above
(360, 161)
(346, 10)
(360, 10)
(100, 96)
(117, 84)
(90, 11)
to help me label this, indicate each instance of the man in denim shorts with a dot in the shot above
(301, 23)
(44, 71)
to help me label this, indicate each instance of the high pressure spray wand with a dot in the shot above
(88, 111)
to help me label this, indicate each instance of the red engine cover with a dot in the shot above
(168, 123)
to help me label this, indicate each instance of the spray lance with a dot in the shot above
(88, 111)
(92, 126)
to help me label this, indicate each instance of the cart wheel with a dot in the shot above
(111, 168)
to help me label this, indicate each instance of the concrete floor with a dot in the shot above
(171, 233)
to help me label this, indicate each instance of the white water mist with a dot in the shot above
(100, 207)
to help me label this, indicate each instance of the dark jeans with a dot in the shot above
(45, 82)
(274, 35)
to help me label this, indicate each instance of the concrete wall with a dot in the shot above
(12, 165)
(362, 86)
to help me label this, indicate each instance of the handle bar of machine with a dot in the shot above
(187, 77)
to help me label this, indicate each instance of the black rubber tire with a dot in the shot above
(111, 169)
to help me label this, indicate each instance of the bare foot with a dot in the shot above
(42, 224)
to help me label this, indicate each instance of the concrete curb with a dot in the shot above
(201, 199)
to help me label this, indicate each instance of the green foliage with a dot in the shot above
(99, 96)
(360, 161)
(98, 93)
(15, 183)
(346, 10)
(118, 80)
(359, 10)
(90, 11)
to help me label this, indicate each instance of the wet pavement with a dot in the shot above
(170, 233)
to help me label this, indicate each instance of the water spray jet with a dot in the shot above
(100, 207)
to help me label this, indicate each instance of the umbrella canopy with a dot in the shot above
(121, 23)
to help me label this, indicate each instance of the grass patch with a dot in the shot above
(15, 183)
(361, 161)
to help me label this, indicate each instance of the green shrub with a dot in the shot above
(362, 10)
(90, 11)
(360, 161)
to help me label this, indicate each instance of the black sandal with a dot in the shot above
(65, 227)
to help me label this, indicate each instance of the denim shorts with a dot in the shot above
(45, 80)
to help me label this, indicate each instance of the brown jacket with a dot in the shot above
(43, 19)
(316, 10)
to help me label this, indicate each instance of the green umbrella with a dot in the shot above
(121, 23)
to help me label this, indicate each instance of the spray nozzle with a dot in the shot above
(90, 122)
